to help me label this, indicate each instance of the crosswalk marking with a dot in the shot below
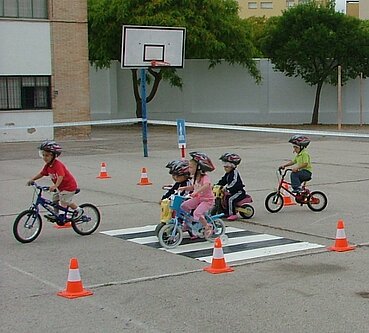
(241, 245)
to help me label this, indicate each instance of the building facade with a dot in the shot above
(44, 69)
(266, 8)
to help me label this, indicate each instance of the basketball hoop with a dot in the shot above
(158, 63)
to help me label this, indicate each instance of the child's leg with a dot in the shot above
(55, 200)
(232, 201)
(190, 204)
(66, 200)
(201, 209)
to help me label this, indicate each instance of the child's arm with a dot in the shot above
(38, 176)
(56, 185)
(186, 188)
(198, 192)
(289, 163)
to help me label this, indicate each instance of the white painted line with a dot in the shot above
(144, 240)
(128, 230)
(231, 241)
(264, 252)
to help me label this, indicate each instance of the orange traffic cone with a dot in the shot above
(144, 179)
(74, 284)
(341, 243)
(103, 173)
(287, 199)
(218, 264)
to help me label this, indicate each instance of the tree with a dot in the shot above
(310, 41)
(214, 32)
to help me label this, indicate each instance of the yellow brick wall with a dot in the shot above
(70, 83)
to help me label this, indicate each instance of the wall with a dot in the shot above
(226, 95)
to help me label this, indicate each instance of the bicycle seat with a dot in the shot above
(77, 190)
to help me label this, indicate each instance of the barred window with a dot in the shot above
(24, 8)
(25, 92)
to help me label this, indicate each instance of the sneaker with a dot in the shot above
(50, 217)
(78, 213)
(232, 217)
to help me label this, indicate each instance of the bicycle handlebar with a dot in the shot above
(42, 188)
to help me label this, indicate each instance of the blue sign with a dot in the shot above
(181, 133)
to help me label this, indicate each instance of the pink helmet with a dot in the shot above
(203, 161)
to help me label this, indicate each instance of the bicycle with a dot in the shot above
(243, 206)
(315, 200)
(28, 224)
(171, 234)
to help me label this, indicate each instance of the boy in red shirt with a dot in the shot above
(64, 181)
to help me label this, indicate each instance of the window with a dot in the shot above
(290, 3)
(25, 92)
(24, 8)
(252, 5)
(266, 5)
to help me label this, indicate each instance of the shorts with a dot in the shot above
(65, 197)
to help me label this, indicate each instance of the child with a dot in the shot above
(302, 169)
(181, 175)
(63, 180)
(202, 197)
(232, 183)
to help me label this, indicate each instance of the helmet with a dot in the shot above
(170, 166)
(203, 161)
(235, 159)
(180, 168)
(52, 147)
(299, 140)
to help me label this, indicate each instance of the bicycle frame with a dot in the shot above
(286, 186)
(49, 205)
(194, 226)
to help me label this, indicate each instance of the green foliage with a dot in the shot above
(310, 41)
(214, 30)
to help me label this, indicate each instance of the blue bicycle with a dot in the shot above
(171, 234)
(28, 224)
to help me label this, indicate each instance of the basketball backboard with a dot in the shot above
(141, 45)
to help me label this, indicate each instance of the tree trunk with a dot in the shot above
(315, 117)
(136, 86)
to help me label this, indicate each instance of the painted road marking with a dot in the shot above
(242, 244)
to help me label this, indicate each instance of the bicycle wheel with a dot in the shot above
(317, 201)
(88, 222)
(218, 229)
(158, 227)
(170, 238)
(27, 226)
(247, 211)
(274, 202)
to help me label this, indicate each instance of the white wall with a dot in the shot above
(25, 48)
(226, 95)
(28, 119)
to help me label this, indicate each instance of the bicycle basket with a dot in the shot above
(176, 202)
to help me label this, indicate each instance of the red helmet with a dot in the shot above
(52, 147)
(299, 140)
(203, 161)
(231, 158)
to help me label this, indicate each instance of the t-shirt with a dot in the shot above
(207, 194)
(56, 169)
(303, 157)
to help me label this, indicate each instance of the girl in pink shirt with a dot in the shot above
(202, 197)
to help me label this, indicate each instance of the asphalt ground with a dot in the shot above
(141, 289)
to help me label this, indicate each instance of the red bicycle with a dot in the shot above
(315, 200)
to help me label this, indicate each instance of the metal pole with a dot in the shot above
(144, 114)
(339, 98)
(361, 99)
